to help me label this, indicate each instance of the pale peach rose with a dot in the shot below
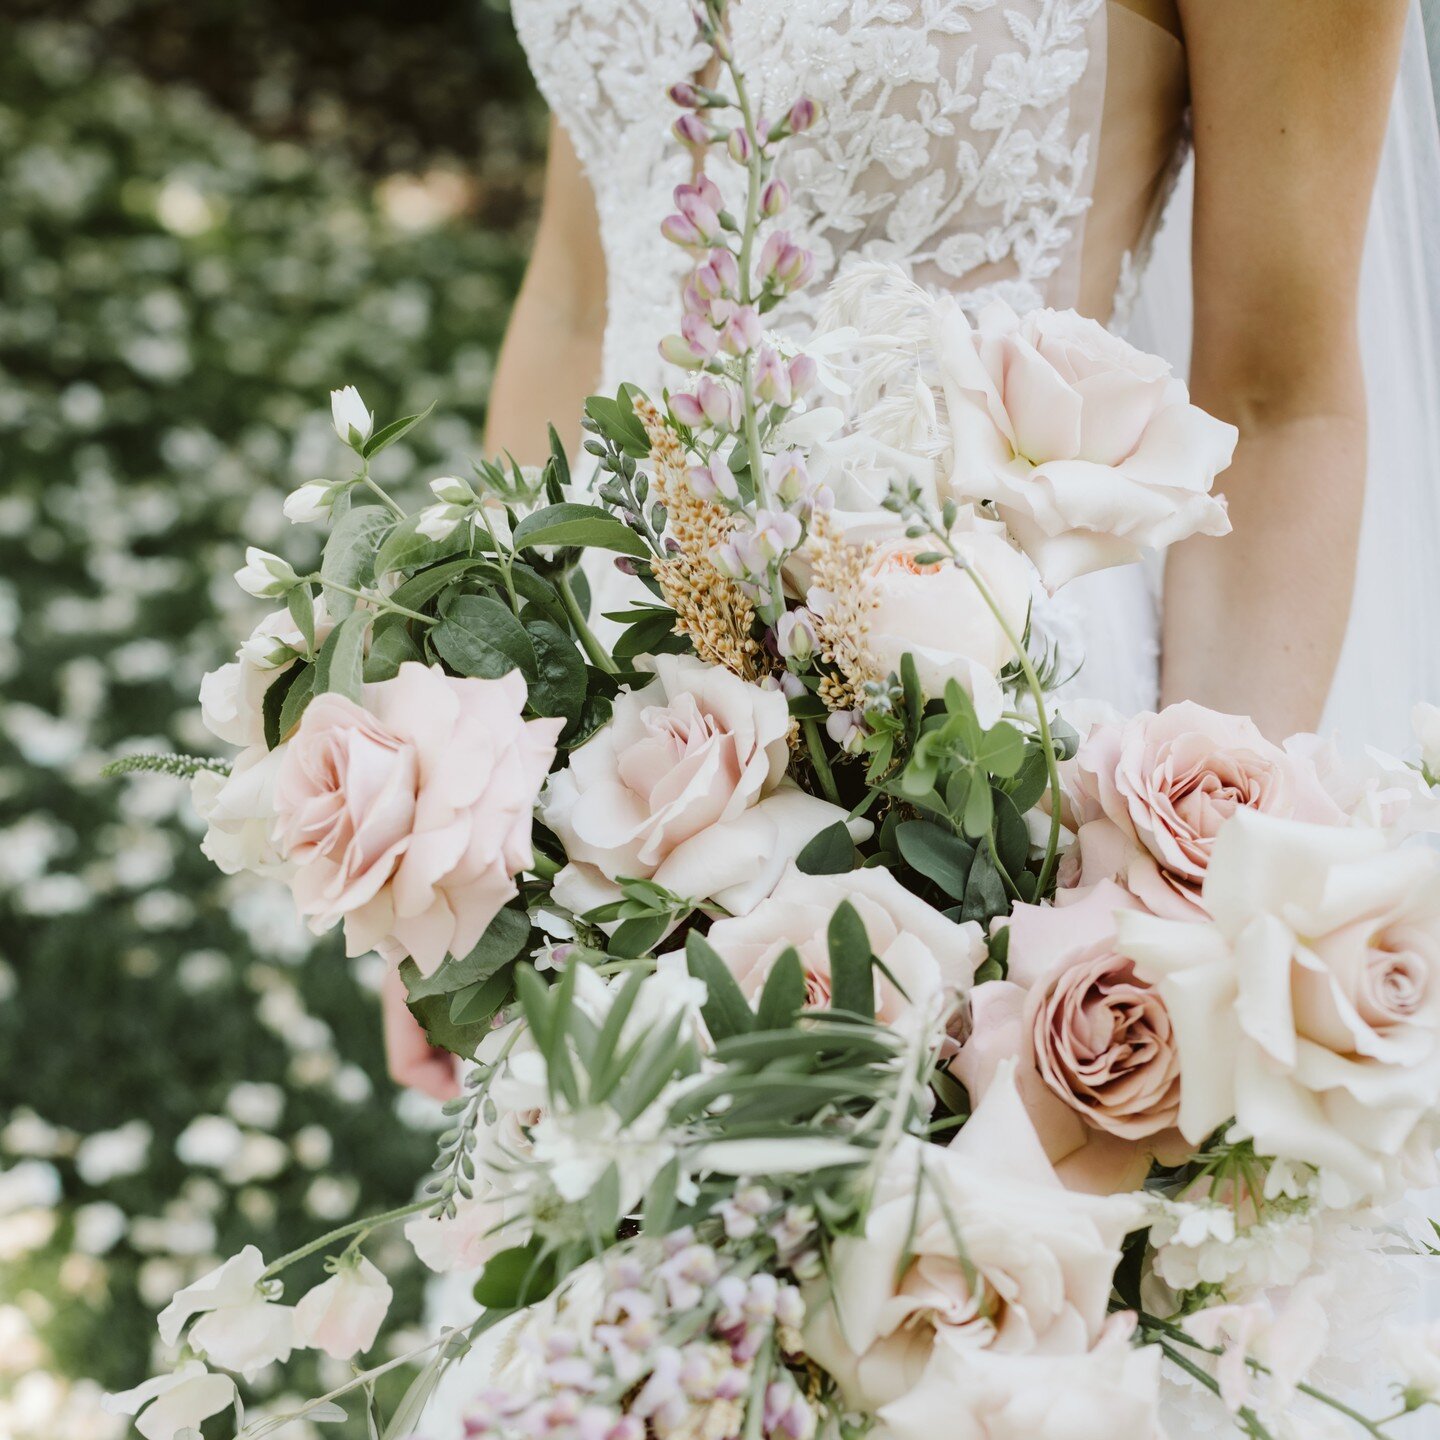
(1097, 1063)
(685, 786)
(1309, 1007)
(1089, 449)
(1148, 796)
(409, 816)
(232, 698)
(936, 613)
(930, 956)
(988, 1257)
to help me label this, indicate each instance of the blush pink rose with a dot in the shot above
(1098, 1064)
(1089, 449)
(1148, 796)
(929, 955)
(409, 816)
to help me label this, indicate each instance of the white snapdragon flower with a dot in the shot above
(312, 501)
(264, 575)
(343, 1314)
(175, 1404)
(353, 422)
(240, 1325)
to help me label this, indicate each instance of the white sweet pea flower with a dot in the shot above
(264, 575)
(240, 1327)
(343, 1314)
(312, 501)
(174, 1405)
(1425, 720)
(353, 422)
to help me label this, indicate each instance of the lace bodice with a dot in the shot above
(960, 138)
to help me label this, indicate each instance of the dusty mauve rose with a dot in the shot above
(1032, 1280)
(1149, 795)
(686, 787)
(1309, 1008)
(928, 954)
(409, 816)
(1097, 1063)
(1089, 449)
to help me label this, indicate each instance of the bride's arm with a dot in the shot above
(550, 357)
(549, 363)
(1290, 103)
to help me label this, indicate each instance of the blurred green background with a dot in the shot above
(210, 213)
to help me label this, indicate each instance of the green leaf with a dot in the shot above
(639, 935)
(831, 852)
(914, 695)
(560, 680)
(349, 557)
(783, 997)
(1012, 837)
(272, 708)
(559, 464)
(603, 1071)
(659, 1210)
(852, 983)
(389, 650)
(517, 1277)
(985, 893)
(571, 523)
(476, 1004)
(1030, 781)
(618, 421)
(339, 667)
(405, 548)
(952, 1093)
(504, 938)
(979, 810)
(419, 590)
(725, 1010)
(478, 636)
(936, 853)
(660, 1058)
(297, 697)
(1001, 750)
(652, 634)
(432, 1012)
(301, 603)
(393, 431)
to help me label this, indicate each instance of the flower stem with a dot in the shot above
(593, 648)
(370, 598)
(820, 761)
(396, 508)
(370, 1222)
(1251, 1420)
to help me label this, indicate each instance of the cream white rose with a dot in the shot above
(1034, 1277)
(1309, 1009)
(930, 957)
(685, 786)
(239, 811)
(1089, 449)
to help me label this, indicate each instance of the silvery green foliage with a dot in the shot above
(177, 297)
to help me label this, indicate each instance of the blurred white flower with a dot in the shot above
(173, 1405)
(343, 1314)
(98, 1227)
(30, 1184)
(264, 575)
(260, 1157)
(111, 1154)
(240, 1326)
(209, 1140)
(353, 422)
(256, 1103)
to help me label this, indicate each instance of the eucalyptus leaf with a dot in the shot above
(725, 1010)
(517, 1277)
(783, 997)
(852, 982)
(831, 852)
(936, 853)
(985, 893)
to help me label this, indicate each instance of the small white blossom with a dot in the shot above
(437, 521)
(353, 422)
(312, 501)
(240, 1327)
(264, 575)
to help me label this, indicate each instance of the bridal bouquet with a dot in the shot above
(851, 1043)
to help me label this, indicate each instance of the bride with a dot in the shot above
(1028, 149)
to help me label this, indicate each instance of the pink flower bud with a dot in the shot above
(742, 331)
(681, 230)
(727, 270)
(692, 132)
(803, 374)
(803, 114)
(739, 147)
(677, 350)
(713, 482)
(774, 198)
(720, 402)
(772, 380)
(695, 206)
(686, 409)
(684, 94)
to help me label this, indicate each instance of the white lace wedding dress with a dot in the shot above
(1019, 148)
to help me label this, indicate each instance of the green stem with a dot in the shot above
(503, 559)
(820, 761)
(1037, 692)
(370, 1222)
(396, 508)
(1252, 1421)
(593, 648)
(370, 598)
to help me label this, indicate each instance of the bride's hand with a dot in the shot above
(413, 1061)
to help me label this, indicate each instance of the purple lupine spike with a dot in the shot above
(742, 331)
(803, 115)
(773, 383)
(684, 94)
(738, 144)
